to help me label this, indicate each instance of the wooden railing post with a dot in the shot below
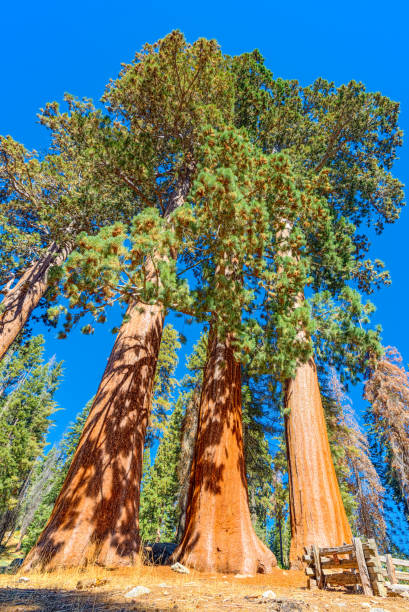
(363, 570)
(318, 571)
(390, 568)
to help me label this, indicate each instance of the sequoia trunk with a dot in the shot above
(219, 536)
(21, 300)
(316, 508)
(95, 517)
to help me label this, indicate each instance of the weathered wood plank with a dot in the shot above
(377, 581)
(402, 575)
(344, 578)
(390, 568)
(339, 564)
(340, 550)
(402, 562)
(363, 570)
(317, 562)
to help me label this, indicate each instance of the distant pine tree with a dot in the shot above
(191, 384)
(165, 383)
(258, 459)
(160, 485)
(387, 391)
(47, 483)
(387, 417)
(280, 533)
(361, 487)
(27, 387)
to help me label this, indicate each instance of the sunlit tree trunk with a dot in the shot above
(219, 536)
(316, 509)
(20, 301)
(95, 517)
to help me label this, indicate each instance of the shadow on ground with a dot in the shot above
(49, 600)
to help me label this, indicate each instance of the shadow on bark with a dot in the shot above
(219, 535)
(95, 517)
(20, 301)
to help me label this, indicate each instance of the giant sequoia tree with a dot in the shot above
(45, 203)
(257, 227)
(225, 234)
(342, 142)
(158, 104)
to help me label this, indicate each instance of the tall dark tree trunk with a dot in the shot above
(189, 433)
(316, 509)
(219, 535)
(21, 300)
(95, 517)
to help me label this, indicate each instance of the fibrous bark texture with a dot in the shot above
(316, 508)
(219, 536)
(95, 518)
(21, 300)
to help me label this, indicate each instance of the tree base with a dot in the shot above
(317, 512)
(219, 535)
(248, 557)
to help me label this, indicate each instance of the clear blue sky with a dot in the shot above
(48, 48)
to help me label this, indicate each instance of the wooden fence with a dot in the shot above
(355, 565)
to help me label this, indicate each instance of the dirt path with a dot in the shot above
(99, 590)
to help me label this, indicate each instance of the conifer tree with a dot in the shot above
(344, 141)
(247, 194)
(26, 404)
(40, 483)
(159, 105)
(158, 510)
(362, 491)
(387, 391)
(165, 383)
(258, 459)
(280, 534)
(46, 485)
(45, 203)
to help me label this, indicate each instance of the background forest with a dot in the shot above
(45, 380)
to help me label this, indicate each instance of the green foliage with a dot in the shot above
(160, 485)
(342, 142)
(280, 532)
(258, 458)
(165, 383)
(27, 387)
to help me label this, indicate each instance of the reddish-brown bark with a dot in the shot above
(316, 508)
(95, 518)
(20, 301)
(219, 536)
(96, 515)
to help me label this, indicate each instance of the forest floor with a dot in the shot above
(100, 590)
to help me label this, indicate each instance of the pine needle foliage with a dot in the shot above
(160, 485)
(361, 487)
(387, 391)
(26, 404)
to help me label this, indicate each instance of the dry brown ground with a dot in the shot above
(58, 592)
